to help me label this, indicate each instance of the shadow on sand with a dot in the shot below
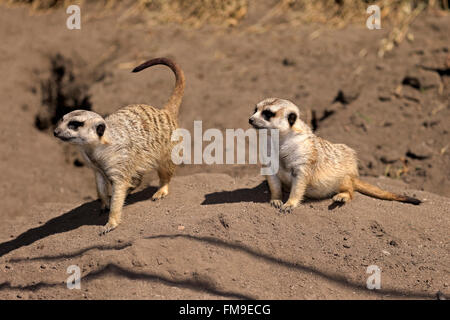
(87, 214)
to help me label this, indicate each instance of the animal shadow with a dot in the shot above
(258, 194)
(87, 214)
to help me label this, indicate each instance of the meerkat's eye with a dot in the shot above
(268, 114)
(74, 125)
(292, 117)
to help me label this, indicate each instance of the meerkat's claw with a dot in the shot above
(286, 208)
(277, 204)
(108, 228)
(160, 194)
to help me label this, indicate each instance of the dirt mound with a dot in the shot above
(217, 237)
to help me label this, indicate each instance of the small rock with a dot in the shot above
(438, 60)
(384, 98)
(422, 79)
(419, 151)
(346, 245)
(390, 156)
(386, 252)
(412, 94)
(347, 94)
(288, 62)
(393, 243)
(384, 93)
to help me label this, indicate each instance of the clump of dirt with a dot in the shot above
(61, 93)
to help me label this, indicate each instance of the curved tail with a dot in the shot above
(372, 191)
(173, 105)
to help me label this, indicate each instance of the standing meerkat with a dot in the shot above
(126, 144)
(309, 165)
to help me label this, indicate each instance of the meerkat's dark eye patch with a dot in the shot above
(267, 114)
(292, 117)
(100, 129)
(74, 125)
(256, 110)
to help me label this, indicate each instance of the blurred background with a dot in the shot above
(383, 92)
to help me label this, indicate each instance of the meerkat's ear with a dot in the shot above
(292, 117)
(307, 117)
(100, 128)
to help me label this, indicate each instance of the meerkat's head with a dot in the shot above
(274, 113)
(81, 127)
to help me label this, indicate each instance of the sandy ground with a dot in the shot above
(215, 236)
(394, 111)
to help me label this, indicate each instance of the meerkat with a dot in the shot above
(309, 165)
(126, 144)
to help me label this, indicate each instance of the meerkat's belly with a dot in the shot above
(324, 184)
(321, 191)
(318, 188)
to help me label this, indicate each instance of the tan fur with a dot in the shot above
(134, 140)
(309, 165)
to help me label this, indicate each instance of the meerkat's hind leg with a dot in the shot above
(164, 174)
(346, 191)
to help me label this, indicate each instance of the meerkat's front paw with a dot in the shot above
(110, 226)
(287, 208)
(276, 203)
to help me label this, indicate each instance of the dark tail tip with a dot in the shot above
(137, 69)
(411, 200)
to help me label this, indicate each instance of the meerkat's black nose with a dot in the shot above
(250, 121)
(56, 132)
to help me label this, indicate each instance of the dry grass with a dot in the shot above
(41, 4)
(337, 13)
(196, 13)
(340, 12)
(398, 14)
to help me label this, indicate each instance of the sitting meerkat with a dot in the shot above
(309, 165)
(126, 144)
